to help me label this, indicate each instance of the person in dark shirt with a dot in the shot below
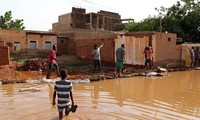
(120, 59)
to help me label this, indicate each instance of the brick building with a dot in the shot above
(26, 42)
(78, 18)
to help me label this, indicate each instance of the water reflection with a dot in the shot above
(176, 96)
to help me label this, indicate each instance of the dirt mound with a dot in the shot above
(34, 64)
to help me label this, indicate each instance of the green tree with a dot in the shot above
(148, 24)
(182, 18)
(6, 22)
(132, 26)
(118, 26)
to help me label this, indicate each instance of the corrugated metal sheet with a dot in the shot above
(134, 47)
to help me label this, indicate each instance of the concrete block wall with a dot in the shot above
(4, 55)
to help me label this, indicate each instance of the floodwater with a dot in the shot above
(174, 97)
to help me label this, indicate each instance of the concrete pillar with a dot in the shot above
(97, 26)
(91, 27)
(103, 22)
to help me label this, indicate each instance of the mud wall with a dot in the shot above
(19, 42)
(11, 37)
(41, 49)
(166, 51)
(40, 40)
(85, 40)
(4, 55)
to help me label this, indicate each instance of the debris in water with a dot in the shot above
(29, 90)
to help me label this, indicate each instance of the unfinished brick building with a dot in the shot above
(78, 18)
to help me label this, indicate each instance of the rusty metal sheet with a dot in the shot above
(134, 48)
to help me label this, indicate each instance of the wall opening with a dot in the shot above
(47, 45)
(33, 45)
(169, 39)
(2, 43)
(9, 44)
(17, 46)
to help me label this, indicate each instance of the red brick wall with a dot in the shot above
(80, 42)
(62, 45)
(4, 55)
(66, 46)
(84, 49)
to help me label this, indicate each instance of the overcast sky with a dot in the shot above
(40, 14)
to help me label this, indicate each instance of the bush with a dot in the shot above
(18, 59)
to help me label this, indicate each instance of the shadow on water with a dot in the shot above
(176, 96)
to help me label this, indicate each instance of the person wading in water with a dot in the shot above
(63, 90)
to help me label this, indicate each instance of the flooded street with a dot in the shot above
(174, 97)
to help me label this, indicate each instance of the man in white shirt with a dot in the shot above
(97, 57)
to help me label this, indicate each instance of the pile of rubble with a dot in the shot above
(34, 64)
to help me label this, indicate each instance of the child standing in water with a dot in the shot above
(63, 89)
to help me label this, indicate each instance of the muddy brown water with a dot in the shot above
(175, 97)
